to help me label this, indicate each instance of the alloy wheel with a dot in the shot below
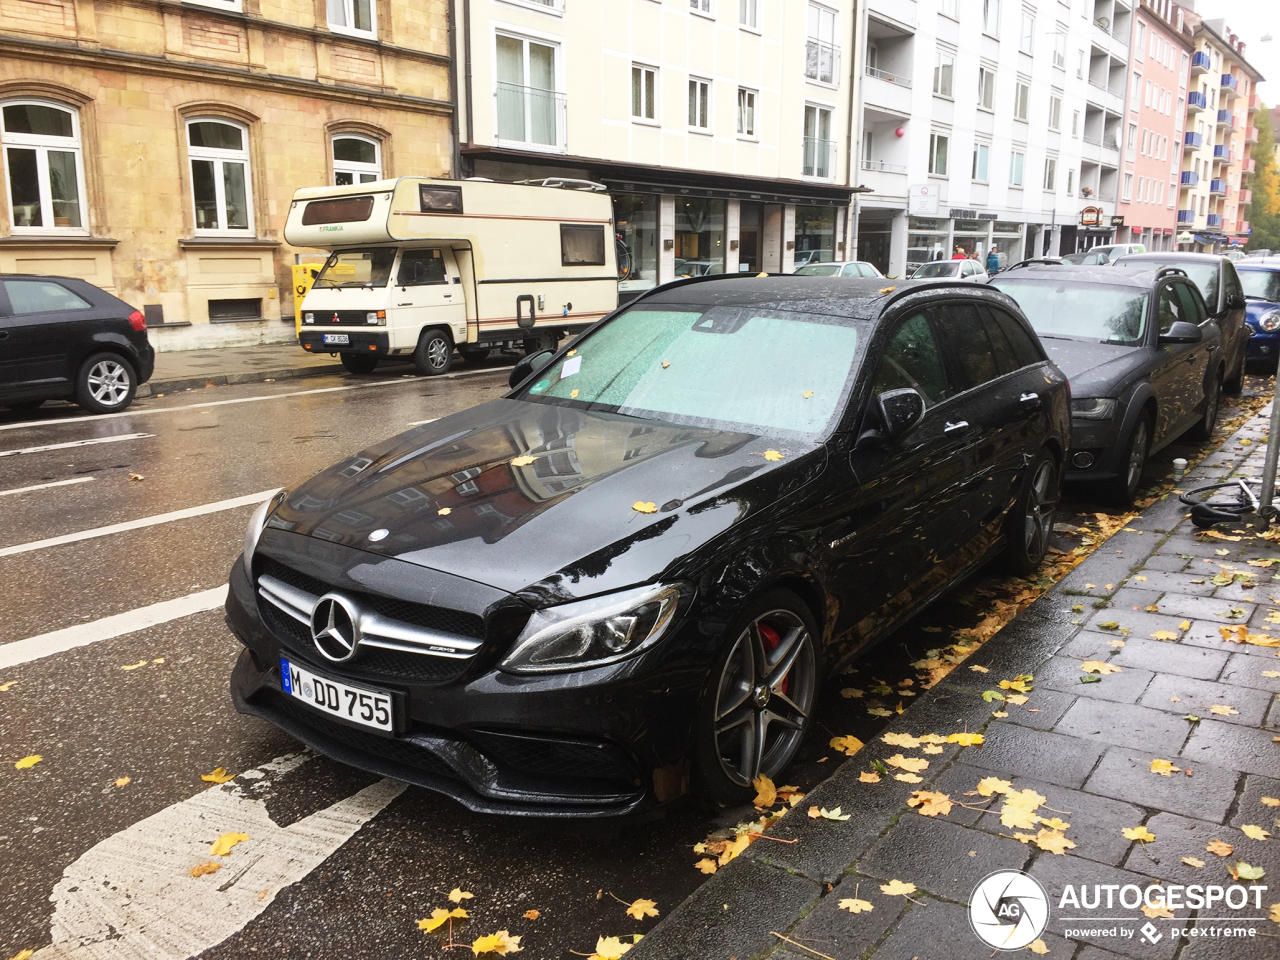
(1042, 503)
(1137, 454)
(438, 350)
(1211, 410)
(764, 697)
(108, 382)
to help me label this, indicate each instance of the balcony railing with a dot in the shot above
(1221, 153)
(1243, 227)
(1186, 216)
(819, 158)
(1196, 101)
(821, 61)
(1190, 178)
(1218, 188)
(1246, 196)
(888, 77)
(1229, 83)
(1200, 62)
(1192, 140)
(1251, 134)
(884, 166)
(530, 117)
(1225, 119)
(1213, 220)
(1248, 165)
(1255, 102)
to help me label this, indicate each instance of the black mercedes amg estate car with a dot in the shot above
(627, 577)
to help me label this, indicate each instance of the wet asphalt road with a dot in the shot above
(165, 723)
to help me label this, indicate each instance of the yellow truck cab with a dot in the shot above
(419, 266)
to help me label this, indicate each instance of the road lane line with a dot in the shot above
(199, 511)
(418, 423)
(76, 443)
(83, 634)
(45, 486)
(221, 403)
(132, 895)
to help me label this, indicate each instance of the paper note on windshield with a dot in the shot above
(571, 366)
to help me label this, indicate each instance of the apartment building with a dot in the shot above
(1151, 166)
(152, 146)
(975, 125)
(721, 128)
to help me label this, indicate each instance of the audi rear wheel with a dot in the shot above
(106, 383)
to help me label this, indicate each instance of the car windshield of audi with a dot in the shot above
(626, 578)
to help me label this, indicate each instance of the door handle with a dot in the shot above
(404, 304)
(4, 334)
(958, 425)
(1030, 398)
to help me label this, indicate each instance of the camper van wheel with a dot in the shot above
(359, 362)
(532, 346)
(434, 354)
(474, 354)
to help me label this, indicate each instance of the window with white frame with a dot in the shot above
(747, 13)
(1050, 173)
(1027, 39)
(1060, 46)
(991, 17)
(1133, 135)
(943, 73)
(352, 16)
(1141, 39)
(981, 161)
(700, 6)
(939, 145)
(986, 87)
(644, 92)
(1055, 112)
(1021, 97)
(1128, 187)
(822, 55)
(530, 106)
(1017, 160)
(948, 7)
(44, 167)
(1080, 66)
(819, 146)
(1137, 88)
(221, 187)
(356, 159)
(699, 104)
(1071, 183)
(1075, 123)
(746, 112)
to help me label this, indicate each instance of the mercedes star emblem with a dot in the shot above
(335, 627)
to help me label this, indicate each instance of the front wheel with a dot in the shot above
(106, 383)
(476, 355)
(1125, 486)
(1030, 524)
(1233, 386)
(1203, 430)
(434, 354)
(359, 362)
(760, 698)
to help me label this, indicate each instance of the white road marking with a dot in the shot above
(418, 423)
(83, 634)
(76, 443)
(199, 511)
(45, 486)
(132, 896)
(221, 403)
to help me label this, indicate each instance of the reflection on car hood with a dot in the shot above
(562, 525)
(1254, 309)
(1092, 364)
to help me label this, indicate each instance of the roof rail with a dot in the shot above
(1032, 261)
(568, 183)
(1170, 272)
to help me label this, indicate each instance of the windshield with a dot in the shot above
(357, 268)
(939, 268)
(819, 270)
(1085, 311)
(1261, 284)
(749, 369)
(1203, 275)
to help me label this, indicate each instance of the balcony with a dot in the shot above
(1246, 196)
(1248, 165)
(1255, 103)
(1213, 220)
(530, 117)
(885, 179)
(819, 158)
(1225, 119)
(822, 62)
(1196, 101)
(1190, 178)
(887, 91)
(1221, 153)
(1200, 63)
(1250, 134)
(1228, 85)
(1242, 226)
(1217, 188)
(1186, 216)
(1192, 140)
(899, 11)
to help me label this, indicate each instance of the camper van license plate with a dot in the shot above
(337, 338)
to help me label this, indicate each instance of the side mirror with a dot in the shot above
(1182, 332)
(1235, 303)
(527, 367)
(900, 410)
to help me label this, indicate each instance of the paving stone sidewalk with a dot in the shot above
(1086, 747)
(220, 366)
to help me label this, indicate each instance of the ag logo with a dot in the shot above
(1008, 910)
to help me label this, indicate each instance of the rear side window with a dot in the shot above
(965, 341)
(1023, 343)
(418, 267)
(582, 245)
(912, 359)
(1192, 306)
(1171, 307)
(1006, 359)
(42, 296)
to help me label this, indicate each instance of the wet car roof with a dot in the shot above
(1173, 256)
(1113, 276)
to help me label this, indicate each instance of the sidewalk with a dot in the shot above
(188, 369)
(1149, 608)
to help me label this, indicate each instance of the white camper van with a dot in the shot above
(418, 266)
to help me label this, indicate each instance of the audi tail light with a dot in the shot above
(138, 321)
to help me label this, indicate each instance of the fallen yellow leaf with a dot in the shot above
(642, 908)
(854, 905)
(977, 669)
(766, 793)
(1254, 832)
(444, 511)
(901, 740)
(1185, 625)
(897, 888)
(134, 666)
(847, 745)
(910, 764)
(868, 776)
(879, 712)
(1141, 834)
(457, 895)
(202, 869)
(1269, 674)
(525, 460)
(222, 846)
(123, 781)
(219, 775)
(1164, 768)
(500, 943)
(931, 803)
(1274, 916)
(1099, 667)
(531, 914)
(1159, 910)
(850, 693)
(833, 814)
(908, 778)
(1164, 635)
(573, 394)
(1016, 699)
(4, 687)
(989, 785)
(23, 955)
(931, 749)
(1220, 848)
(807, 394)
(26, 763)
(1054, 841)
(1038, 947)
(665, 364)
(1269, 801)
(1224, 711)
(641, 506)
(706, 866)
(439, 917)
(966, 739)
(610, 948)
(1193, 862)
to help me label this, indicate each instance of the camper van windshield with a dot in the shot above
(357, 268)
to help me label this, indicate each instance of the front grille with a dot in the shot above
(340, 316)
(556, 758)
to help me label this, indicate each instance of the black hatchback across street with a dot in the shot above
(627, 578)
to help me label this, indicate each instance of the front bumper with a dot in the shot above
(361, 341)
(1263, 347)
(595, 743)
(1099, 441)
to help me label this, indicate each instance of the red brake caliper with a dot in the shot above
(771, 639)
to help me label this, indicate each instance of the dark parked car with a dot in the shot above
(1260, 280)
(64, 339)
(1219, 284)
(1145, 360)
(633, 570)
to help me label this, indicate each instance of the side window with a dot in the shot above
(419, 267)
(911, 359)
(1232, 280)
(41, 296)
(1169, 307)
(581, 245)
(1006, 359)
(1024, 344)
(965, 341)
(1192, 306)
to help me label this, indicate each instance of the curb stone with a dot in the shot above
(152, 387)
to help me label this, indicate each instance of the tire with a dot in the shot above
(538, 346)
(106, 383)
(1124, 487)
(434, 354)
(1204, 429)
(739, 708)
(359, 362)
(474, 354)
(1029, 526)
(1233, 386)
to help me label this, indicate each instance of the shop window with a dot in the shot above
(44, 166)
(815, 234)
(699, 239)
(635, 218)
(644, 85)
(221, 190)
(352, 16)
(356, 160)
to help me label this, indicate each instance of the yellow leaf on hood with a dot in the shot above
(500, 943)
(1254, 832)
(766, 793)
(202, 869)
(642, 908)
(610, 948)
(26, 763)
(897, 888)
(1099, 667)
(222, 846)
(522, 461)
(772, 455)
(1141, 834)
(1164, 768)
(931, 803)
(219, 775)
(854, 905)
(642, 506)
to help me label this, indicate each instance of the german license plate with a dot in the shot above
(337, 338)
(360, 705)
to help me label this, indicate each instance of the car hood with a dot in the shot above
(539, 499)
(1094, 369)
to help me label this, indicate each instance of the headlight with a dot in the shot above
(1270, 322)
(590, 633)
(1093, 409)
(376, 316)
(256, 523)
(308, 318)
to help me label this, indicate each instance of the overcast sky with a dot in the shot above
(1251, 20)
